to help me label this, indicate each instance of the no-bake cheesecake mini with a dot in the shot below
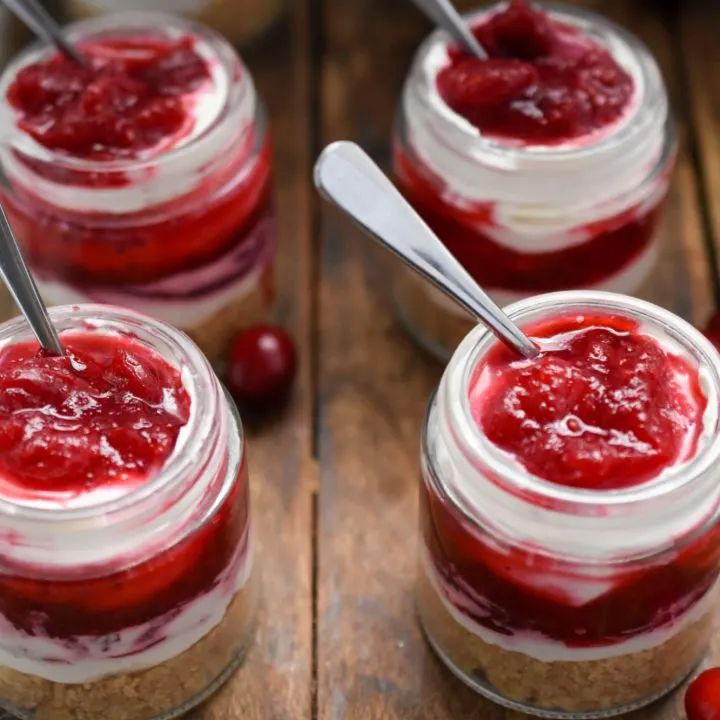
(542, 168)
(569, 507)
(127, 590)
(145, 180)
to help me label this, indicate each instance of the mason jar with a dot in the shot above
(185, 234)
(561, 601)
(132, 605)
(528, 218)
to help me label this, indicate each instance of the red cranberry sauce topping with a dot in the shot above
(544, 81)
(612, 245)
(603, 406)
(103, 418)
(108, 413)
(130, 100)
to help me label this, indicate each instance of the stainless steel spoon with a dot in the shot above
(445, 16)
(37, 18)
(345, 175)
(21, 285)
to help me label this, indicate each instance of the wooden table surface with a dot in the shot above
(335, 481)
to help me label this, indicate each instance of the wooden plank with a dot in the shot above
(275, 681)
(701, 55)
(372, 660)
(682, 280)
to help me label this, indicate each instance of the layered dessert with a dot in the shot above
(545, 584)
(538, 167)
(125, 591)
(144, 179)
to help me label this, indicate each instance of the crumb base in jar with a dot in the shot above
(240, 20)
(158, 693)
(594, 688)
(438, 325)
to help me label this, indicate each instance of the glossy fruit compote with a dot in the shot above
(137, 94)
(125, 547)
(143, 179)
(553, 546)
(88, 426)
(543, 81)
(543, 166)
(601, 407)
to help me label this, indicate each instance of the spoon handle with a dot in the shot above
(346, 176)
(37, 18)
(15, 273)
(444, 15)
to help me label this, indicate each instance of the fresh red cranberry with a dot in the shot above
(712, 330)
(261, 367)
(702, 699)
(110, 410)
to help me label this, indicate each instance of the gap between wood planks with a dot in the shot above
(672, 16)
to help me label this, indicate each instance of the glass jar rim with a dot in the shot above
(499, 495)
(177, 349)
(634, 124)
(518, 480)
(159, 23)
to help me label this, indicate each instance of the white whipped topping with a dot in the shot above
(545, 649)
(89, 658)
(542, 195)
(162, 173)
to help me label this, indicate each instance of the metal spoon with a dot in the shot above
(345, 175)
(37, 18)
(444, 15)
(19, 281)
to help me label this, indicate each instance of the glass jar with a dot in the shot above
(559, 601)
(138, 606)
(527, 219)
(240, 21)
(187, 235)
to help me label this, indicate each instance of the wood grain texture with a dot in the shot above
(274, 683)
(372, 661)
(682, 279)
(701, 54)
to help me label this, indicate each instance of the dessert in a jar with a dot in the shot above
(145, 180)
(240, 21)
(542, 168)
(126, 589)
(569, 507)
